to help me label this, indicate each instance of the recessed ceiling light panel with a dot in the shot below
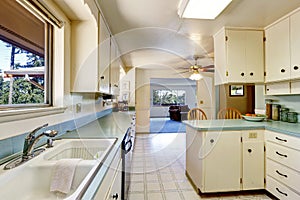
(202, 9)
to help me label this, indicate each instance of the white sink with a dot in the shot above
(32, 179)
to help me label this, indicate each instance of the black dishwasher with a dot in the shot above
(127, 148)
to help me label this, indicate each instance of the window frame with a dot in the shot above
(48, 59)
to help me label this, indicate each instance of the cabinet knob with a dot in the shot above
(249, 150)
(242, 74)
(212, 141)
(115, 196)
(251, 73)
(268, 89)
(282, 70)
(296, 67)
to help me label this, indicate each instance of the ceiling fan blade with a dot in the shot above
(207, 70)
(209, 66)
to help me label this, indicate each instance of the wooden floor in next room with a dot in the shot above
(158, 171)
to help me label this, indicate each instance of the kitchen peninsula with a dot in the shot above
(229, 155)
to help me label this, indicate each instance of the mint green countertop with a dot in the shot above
(240, 124)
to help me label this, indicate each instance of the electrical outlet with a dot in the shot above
(78, 107)
(252, 135)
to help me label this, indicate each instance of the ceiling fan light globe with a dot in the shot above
(196, 76)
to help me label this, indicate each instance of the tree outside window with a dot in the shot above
(163, 97)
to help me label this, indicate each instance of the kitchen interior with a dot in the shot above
(108, 57)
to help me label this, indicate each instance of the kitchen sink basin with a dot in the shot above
(32, 179)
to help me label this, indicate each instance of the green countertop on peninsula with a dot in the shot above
(240, 124)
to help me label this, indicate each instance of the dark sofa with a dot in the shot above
(178, 112)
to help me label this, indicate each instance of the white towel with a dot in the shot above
(63, 175)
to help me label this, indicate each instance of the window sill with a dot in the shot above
(12, 115)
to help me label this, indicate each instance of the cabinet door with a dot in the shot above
(295, 45)
(236, 55)
(222, 161)
(278, 52)
(114, 69)
(253, 165)
(104, 57)
(115, 189)
(278, 88)
(254, 57)
(220, 58)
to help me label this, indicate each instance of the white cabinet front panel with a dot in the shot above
(253, 165)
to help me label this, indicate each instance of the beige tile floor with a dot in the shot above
(158, 171)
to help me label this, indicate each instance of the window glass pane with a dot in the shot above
(22, 76)
(168, 97)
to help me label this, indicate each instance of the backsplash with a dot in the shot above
(14, 145)
(289, 101)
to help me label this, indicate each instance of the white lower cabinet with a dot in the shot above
(282, 165)
(222, 161)
(110, 187)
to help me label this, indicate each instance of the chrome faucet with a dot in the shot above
(31, 140)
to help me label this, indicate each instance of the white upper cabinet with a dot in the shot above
(295, 45)
(239, 56)
(104, 56)
(283, 49)
(278, 52)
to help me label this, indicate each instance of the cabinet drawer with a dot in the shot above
(277, 88)
(282, 139)
(283, 174)
(279, 190)
(283, 155)
(295, 87)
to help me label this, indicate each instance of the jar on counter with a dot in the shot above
(292, 117)
(284, 114)
(275, 112)
(268, 108)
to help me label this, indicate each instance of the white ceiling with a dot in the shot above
(126, 17)
(150, 33)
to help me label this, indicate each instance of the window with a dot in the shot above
(25, 57)
(165, 97)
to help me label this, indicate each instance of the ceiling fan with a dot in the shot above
(198, 71)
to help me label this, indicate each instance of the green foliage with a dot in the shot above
(23, 92)
(168, 97)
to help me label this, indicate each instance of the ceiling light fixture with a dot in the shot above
(201, 9)
(196, 76)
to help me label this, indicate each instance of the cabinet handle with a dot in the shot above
(281, 174)
(296, 67)
(283, 140)
(285, 194)
(283, 155)
(242, 74)
(282, 70)
(115, 196)
(251, 73)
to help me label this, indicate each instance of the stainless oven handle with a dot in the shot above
(129, 148)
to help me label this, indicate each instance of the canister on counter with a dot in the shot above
(269, 108)
(292, 117)
(284, 114)
(275, 112)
